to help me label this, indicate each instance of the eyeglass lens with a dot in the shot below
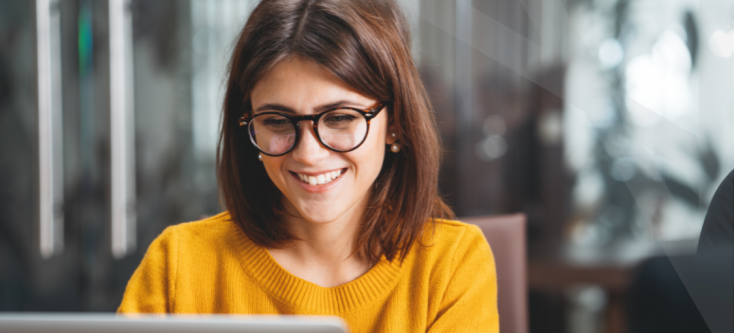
(340, 130)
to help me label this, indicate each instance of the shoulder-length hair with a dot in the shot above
(366, 44)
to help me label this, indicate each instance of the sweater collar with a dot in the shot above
(257, 262)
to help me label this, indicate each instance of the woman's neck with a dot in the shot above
(323, 253)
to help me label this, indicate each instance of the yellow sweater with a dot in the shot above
(210, 266)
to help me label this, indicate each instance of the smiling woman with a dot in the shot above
(321, 217)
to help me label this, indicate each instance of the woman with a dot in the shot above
(328, 168)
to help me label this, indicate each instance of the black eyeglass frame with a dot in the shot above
(368, 115)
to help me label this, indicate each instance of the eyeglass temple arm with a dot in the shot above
(375, 110)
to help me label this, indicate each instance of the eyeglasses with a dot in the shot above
(341, 130)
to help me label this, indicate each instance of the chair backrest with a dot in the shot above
(506, 237)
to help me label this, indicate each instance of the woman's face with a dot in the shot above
(304, 87)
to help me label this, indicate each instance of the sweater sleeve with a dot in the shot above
(152, 286)
(470, 300)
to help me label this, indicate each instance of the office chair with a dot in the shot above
(506, 237)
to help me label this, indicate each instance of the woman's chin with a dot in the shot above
(320, 217)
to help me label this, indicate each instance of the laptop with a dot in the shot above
(111, 323)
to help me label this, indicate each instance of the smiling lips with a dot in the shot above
(321, 179)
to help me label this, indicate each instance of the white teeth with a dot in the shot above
(320, 179)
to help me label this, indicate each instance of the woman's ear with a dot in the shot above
(391, 136)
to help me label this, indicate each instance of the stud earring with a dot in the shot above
(395, 147)
(260, 157)
(393, 134)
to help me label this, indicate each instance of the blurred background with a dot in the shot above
(610, 123)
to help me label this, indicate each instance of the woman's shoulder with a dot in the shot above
(207, 231)
(178, 252)
(215, 224)
(454, 232)
(450, 239)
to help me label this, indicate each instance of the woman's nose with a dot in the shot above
(309, 149)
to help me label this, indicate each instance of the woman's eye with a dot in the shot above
(275, 121)
(339, 118)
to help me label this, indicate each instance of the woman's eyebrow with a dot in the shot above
(274, 107)
(337, 104)
(318, 109)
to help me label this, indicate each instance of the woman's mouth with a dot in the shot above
(319, 179)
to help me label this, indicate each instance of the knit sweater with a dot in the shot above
(447, 283)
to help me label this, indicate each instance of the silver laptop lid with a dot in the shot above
(111, 323)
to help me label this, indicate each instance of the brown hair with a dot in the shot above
(366, 44)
